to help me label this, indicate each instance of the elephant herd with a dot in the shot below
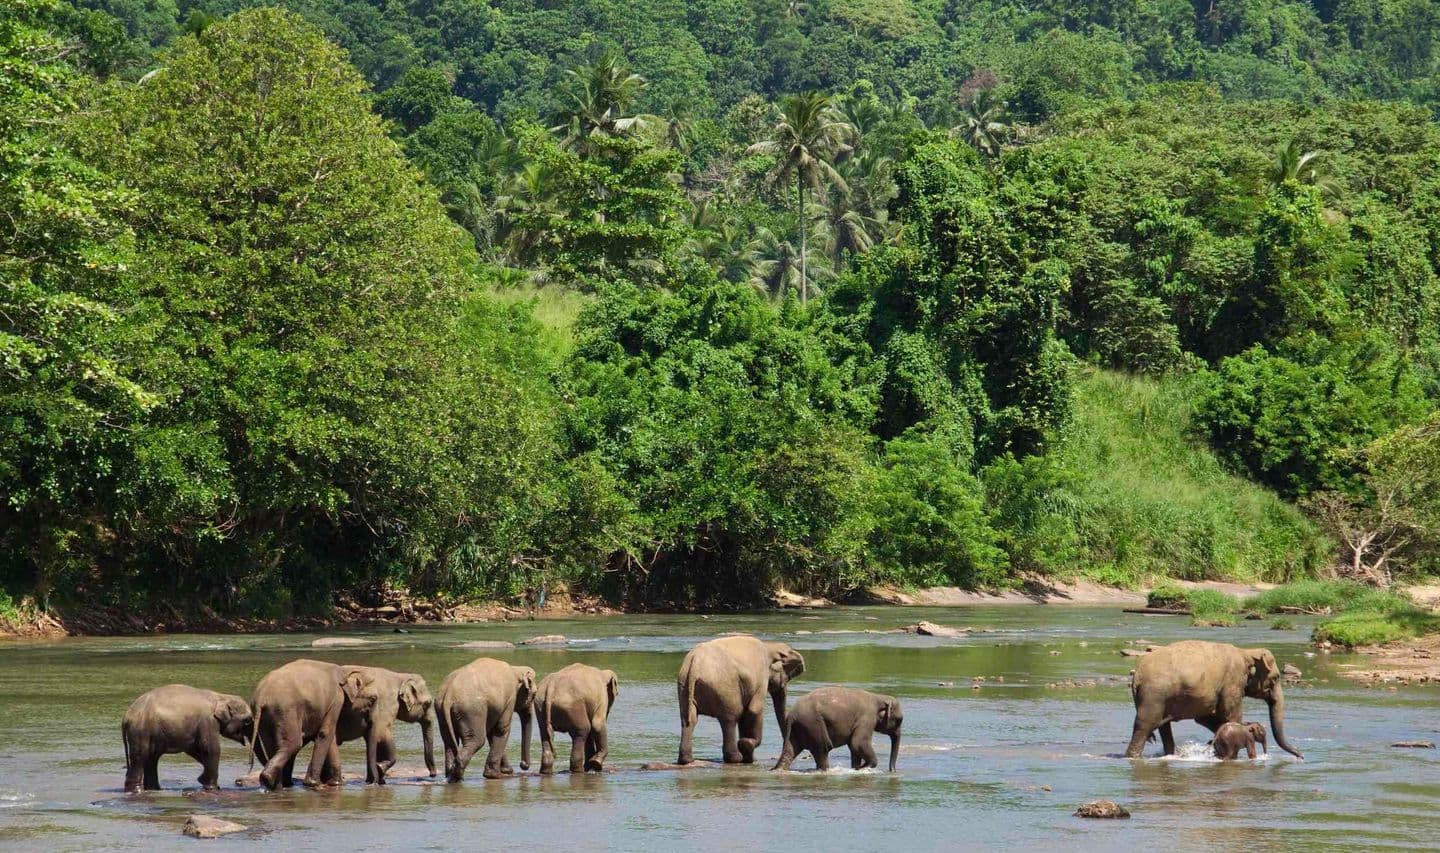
(327, 704)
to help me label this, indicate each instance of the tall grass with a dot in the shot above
(1151, 499)
(554, 308)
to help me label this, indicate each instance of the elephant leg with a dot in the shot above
(287, 774)
(687, 741)
(1212, 722)
(137, 757)
(207, 752)
(729, 729)
(385, 754)
(496, 756)
(598, 748)
(1167, 738)
(862, 753)
(285, 743)
(467, 749)
(752, 726)
(547, 745)
(316, 774)
(1139, 734)
(822, 758)
(152, 770)
(578, 740)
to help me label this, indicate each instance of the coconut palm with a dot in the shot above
(807, 140)
(776, 268)
(982, 123)
(1294, 163)
(596, 97)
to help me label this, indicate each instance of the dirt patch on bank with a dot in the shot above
(1400, 663)
(1039, 591)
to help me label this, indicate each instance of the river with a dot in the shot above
(998, 767)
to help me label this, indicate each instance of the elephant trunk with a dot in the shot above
(427, 731)
(527, 718)
(1277, 722)
(777, 697)
(894, 748)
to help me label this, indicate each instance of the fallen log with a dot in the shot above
(1157, 611)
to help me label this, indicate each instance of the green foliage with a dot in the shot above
(1385, 618)
(1287, 419)
(1313, 596)
(1281, 625)
(1206, 606)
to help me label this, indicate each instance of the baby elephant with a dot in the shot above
(1231, 738)
(180, 718)
(830, 716)
(577, 701)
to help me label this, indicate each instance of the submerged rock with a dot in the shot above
(204, 826)
(1102, 809)
(486, 644)
(333, 642)
(546, 640)
(930, 629)
(1413, 744)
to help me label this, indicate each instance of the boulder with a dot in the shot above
(486, 644)
(337, 642)
(1290, 671)
(204, 826)
(1414, 744)
(1102, 809)
(930, 629)
(546, 640)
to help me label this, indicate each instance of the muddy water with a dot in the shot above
(999, 767)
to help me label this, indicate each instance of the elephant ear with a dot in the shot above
(354, 684)
(612, 688)
(525, 680)
(410, 694)
(1263, 671)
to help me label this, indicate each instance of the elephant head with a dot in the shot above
(233, 715)
(1263, 682)
(1257, 732)
(785, 664)
(525, 707)
(416, 705)
(888, 720)
(359, 690)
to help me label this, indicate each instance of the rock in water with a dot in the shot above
(1290, 671)
(1132, 653)
(546, 640)
(331, 642)
(1414, 744)
(486, 644)
(930, 629)
(1102, 809)
(204, 826)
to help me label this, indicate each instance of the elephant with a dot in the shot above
(180, 718)
(830, 716)
(401, 696)
(302, 702)
(1204, 682)
(1231, 738)
(476, 704)
(727, 678)
(577, 701)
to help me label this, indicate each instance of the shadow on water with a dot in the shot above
(1007, 731)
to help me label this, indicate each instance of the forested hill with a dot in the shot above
(678, 303)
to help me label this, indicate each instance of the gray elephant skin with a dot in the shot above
(476, 705)
(402, 696)
(1234, 738)
(178, 718)
(727, 678)
(302, 702)
(1204, 682)
(576, 701)
(826, 718)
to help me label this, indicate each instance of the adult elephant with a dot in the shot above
(576, 701)
(302, 702)
(727, 678)
(476, 704)
(402, 696)
(1204, 682)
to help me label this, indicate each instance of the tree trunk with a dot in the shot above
(804, 279)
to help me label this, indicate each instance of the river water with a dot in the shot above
(998, 767)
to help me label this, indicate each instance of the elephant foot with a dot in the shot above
(594, 767)
(493, 774)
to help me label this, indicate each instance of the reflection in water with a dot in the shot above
(1006, 731)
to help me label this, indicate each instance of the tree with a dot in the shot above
(299, 288)
(597, 96)
(982, 125)
(68, 391)
(805, 142)
(1295, 164)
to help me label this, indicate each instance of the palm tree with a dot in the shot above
(776, 268)
(596, 97)
(806, 141)
(982, 124)
(1294, 163)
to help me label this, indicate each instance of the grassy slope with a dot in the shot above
(1155, 501)
(555, 309)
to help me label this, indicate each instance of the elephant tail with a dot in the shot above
(255, 744)
(686, 685)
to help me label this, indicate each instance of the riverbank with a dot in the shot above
(164, 618)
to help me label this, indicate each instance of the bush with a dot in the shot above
(1282, 625)
(1206, 606)
(1376, 616)
(1314, 596)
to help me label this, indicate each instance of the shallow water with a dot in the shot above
(973, 768)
